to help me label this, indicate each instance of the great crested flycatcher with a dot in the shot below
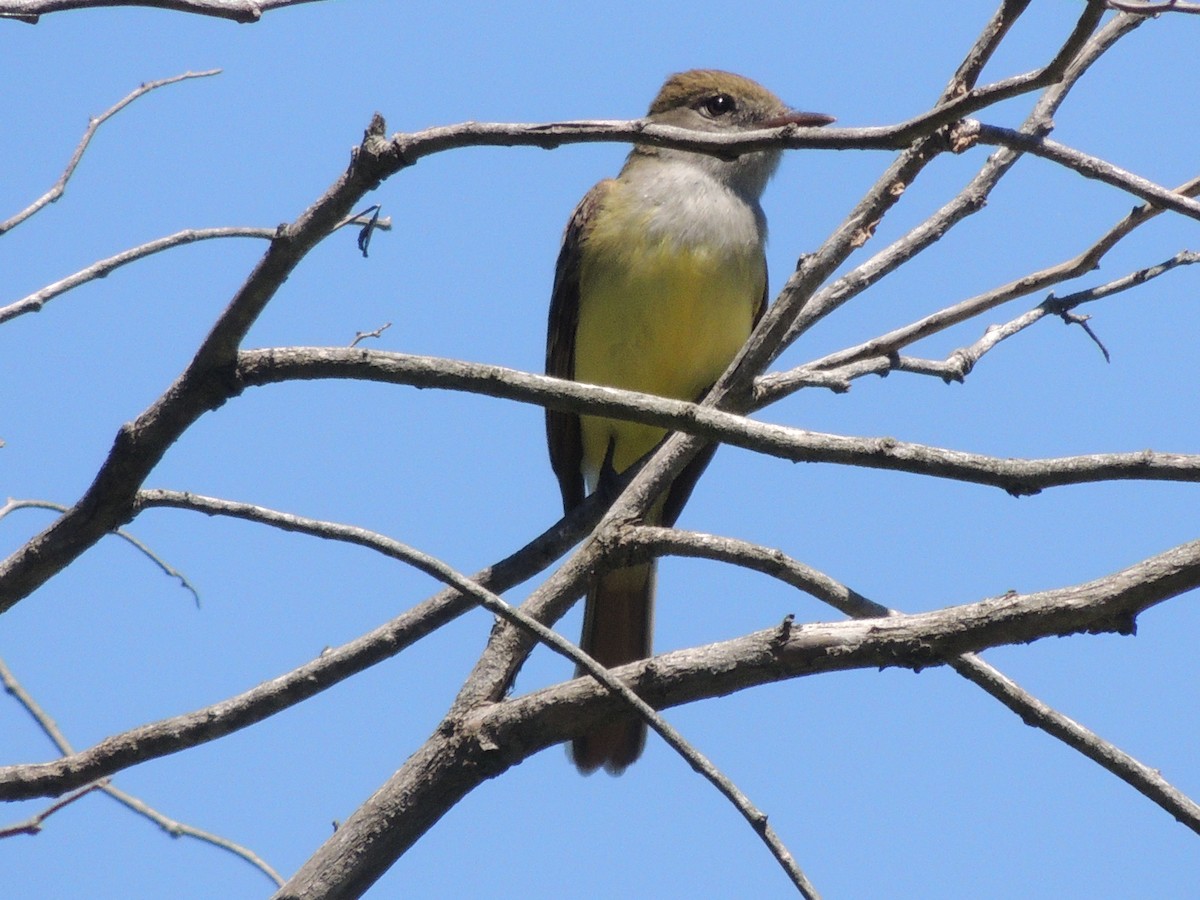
(660, 279)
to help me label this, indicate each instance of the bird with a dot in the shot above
(660, 279)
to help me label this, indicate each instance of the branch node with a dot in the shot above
(963, 135)
(784, 634)
(1021, 489)
(959, 366)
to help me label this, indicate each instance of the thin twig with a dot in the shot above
(35, 301)
(13, 505)
(972, 198)
(171, 826)
(242, 11)
(1154, 8)
(175, 828)
(33, 825)
(874, 356)
(363, 335)
(44, 721)
(960, 362)
(1085, 164)
(59, 186)
(655, 541)
(172, 735)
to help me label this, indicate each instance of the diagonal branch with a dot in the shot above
(331, 667)
(969, 201)
(484, 742)
(653, 541)
(59, 186)
(1085, 164)
(960, 362)
(241, 11)
(39, 298)
(879, 350)
(35, 301)
(703, 422)
(171, 826)
(169, 570)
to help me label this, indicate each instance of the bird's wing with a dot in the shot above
(562, 428)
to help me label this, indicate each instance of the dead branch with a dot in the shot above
(59, 186)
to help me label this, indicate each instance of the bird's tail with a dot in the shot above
(617, 622)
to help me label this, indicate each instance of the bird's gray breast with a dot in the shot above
(684, 205)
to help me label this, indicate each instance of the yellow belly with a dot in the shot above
(662, 321)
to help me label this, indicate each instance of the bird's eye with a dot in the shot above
(717, 105)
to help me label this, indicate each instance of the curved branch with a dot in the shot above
(167, 569)
(241, 11)
(173, 827)
(1085, 164)
(35, 301)
(59, 186)
(485, 742)
(876, 353)
(653, 541)
(1016, 476)
(180, 732)
(961, 361)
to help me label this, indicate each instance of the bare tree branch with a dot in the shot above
(968, 201)
(175, 828)
(171, 826)
(59, 186)
(363, 335)
(169, 570)
(485, 741)
(1085, 164)
(959, 363)
(873, 356)
(242, 11)
(647, 541)
(35, 301)
(1016, 476)
(997, 28)
(331, 667)
(33, 825)
(1150, 8)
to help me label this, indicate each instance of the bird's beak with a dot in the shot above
(803, 119)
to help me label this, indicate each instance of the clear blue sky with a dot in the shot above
(883, 784)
